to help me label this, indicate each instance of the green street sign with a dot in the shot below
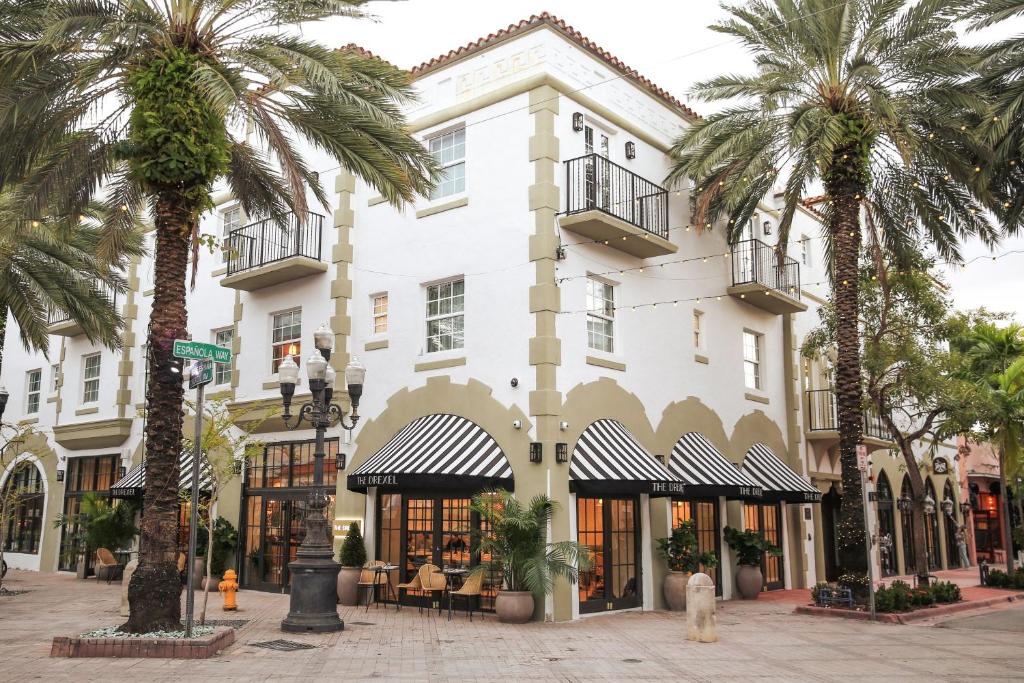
(191, 350)
(202, 374)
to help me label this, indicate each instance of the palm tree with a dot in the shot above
(155, 100)
(862, 96)
(999, 76)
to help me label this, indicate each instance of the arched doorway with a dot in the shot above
(907, 529)
(24, 523)
(952, 555)
(830, 506)
(886, 525)
(931, 529)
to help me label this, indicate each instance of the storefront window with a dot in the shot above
(25, 521)
(704, 513)
(766, 519)
(84, 475)
(608, 527)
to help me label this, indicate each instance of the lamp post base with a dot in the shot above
(314, 596)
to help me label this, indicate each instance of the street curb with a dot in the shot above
(906, 617)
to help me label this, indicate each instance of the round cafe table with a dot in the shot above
(383, 570)
(454, 575)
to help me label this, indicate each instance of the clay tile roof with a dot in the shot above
(568, 31)
(352, 47)
(816, 199)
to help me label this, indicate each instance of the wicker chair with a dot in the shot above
(369, 578)
(423, 582)
(107, 566)
(469, 590)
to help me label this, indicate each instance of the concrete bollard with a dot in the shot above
(126, 578)
(700, 609)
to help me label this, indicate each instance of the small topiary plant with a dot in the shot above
(353, 550)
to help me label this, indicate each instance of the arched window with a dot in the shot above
(907, 528)
(886, 525)
(23, 493)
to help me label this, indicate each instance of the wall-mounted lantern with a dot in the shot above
(766, 227)
(577, 121)
(630, 150)
(536, 451)
(561, 453)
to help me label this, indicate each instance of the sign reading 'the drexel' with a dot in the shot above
(193, 350)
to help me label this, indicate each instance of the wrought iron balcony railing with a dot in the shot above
(595, 183)
(267, 241)
(822, 415)
(753, 261)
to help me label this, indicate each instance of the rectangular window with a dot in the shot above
(54, 378)
(600, 315)
(33, 385)
(286, 337)
(449, 151)
(91, 378)
(445, 316)
(222, 371)
(805, 250)
(752, 360)
(380, 313)
(698, 330)
(231, 219)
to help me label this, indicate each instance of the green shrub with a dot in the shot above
(858, 585)
(680, 550)
(900, 596)
(749, 546)
(816, 591)
(945, 591)
(353, 550)
(1018, 578)
(884, 600)
(998, 579)
(922, 597)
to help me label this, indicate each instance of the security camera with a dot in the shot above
(563, 425)
(517, 424)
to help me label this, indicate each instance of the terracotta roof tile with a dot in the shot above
(573, 35)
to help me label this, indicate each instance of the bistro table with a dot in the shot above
(383, 570)
(455, 575)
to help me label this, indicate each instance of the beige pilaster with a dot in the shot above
(794, 452)
(129, 313)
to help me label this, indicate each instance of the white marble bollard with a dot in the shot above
(125, 580)
(700, 609)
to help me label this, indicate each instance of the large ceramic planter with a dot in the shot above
(674, 589)
(348, 585)
(198, 572)
(514, 607)
(749, 581)
(213, 584)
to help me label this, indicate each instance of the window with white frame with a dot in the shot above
(91, 378)
(231, 219)
(286, 337)
(449, 151)
(698, 330)
(33, 386)
(222, 371)
(446, 315)
(379, 302)
(752, 360)
(600, 315)
(54, 378)
(805, 250)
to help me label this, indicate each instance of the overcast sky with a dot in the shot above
(668, 42)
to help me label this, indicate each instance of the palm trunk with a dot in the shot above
(1007, 516)
(846, 243)
(155, 589)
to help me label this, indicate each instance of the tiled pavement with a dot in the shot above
(760, 639)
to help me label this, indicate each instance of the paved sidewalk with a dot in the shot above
(759, 639)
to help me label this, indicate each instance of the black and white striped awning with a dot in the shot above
(609, 460)
(779, 482)
(437, 451)
(707, 472)
(133, 483)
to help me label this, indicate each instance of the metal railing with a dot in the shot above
(755, 261)
(56, 316)
(267, 241)
(822, 415)
(594, 183)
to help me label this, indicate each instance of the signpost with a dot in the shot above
(201, 375)
(864, 465)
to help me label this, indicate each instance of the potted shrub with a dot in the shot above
(352, 557)
(516, 548)
(680, 553)
(749, 546)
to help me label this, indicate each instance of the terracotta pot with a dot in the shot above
(514, 607)
(348, 588)
(749, 581)
(674, 589)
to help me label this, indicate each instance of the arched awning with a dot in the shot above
(608, 460)
(707, 472)
(779, 482)
(438, 451)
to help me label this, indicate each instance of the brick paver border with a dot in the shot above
(906, 617)
(160, 648)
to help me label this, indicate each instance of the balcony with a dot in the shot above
(823, 422)
(606, 202)
(60, 323)
(268, 253)
(763, 279)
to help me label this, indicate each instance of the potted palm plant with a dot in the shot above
(749, 546)
(516, 548)
(352, 557)
(680, 553)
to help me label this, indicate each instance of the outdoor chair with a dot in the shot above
(469, 590)
(369, 579)
(107, 566)
(420, 583)
(435, 582)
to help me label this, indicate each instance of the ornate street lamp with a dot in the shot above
(965, 508)
(929, 505)
(904, 503)
(314, 573)
(947, 507)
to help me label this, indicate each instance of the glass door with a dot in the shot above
(609, 528)
(767, 519)
(704, 513)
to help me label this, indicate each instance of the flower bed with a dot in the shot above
(156, 645)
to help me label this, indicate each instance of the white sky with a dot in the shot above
(668, 42)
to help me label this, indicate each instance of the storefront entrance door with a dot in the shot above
(610, 528)
(831, 503)
(768, 520)
(280, 530)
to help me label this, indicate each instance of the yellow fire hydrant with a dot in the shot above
(228, 587)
